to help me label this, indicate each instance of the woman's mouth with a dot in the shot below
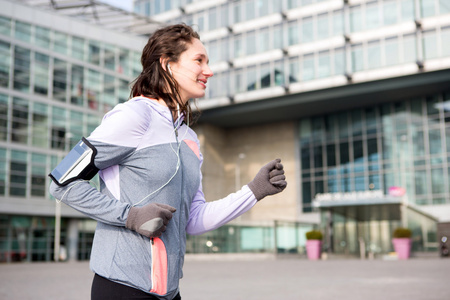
(202, 82)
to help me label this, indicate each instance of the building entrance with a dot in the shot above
(364, 227)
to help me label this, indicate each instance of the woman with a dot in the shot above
(150, 179)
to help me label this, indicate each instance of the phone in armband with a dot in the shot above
(78, 164)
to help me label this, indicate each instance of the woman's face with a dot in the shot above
(192, 71)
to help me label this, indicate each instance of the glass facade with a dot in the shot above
(54, 88)
(276, 237)
(306, 45)
(51, 98)
(403, 144)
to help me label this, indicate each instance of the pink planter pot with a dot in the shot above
(402, 247)
(313, 249)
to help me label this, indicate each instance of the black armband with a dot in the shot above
(78, 164)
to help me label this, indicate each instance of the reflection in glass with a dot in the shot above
(59, 80)
(5, 63)
(41, 73)
(21, 80)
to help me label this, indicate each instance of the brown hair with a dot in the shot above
(167, 43)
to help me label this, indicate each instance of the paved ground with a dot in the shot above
(261, 279)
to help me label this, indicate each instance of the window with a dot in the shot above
(41, 75)
(251, 43)
(108, 95)
(59, 80)
(3, 117)
(308, 67)
(224, 16)
(294, 70)
(293, 34)
(224, 48)
(264, 40)
(407, 10)
(279, 73)
(429, 42)
(249, 10)
(2, 171)
(78, 48)
(59, 117)
(92, 123)
(444, 7)
(77, 85)
(307, 30)
(322, 26)
(434, 136)
(39, 126)
(357, 58)
(94, 53)
(339, 61)
(409, 48)
(21, 80)
(324, 67)
(391, 51)
(22, 31)
(356, 19)
(93, 87)
(420, 179)
(445, 37)
(42, 37)
(110, 59)
(212, 19)
(38, 175)
(136, 66)
(60, 42)
(19, 130)
(390, 12)
(338, 23)
(372, 16)
(278, 41)
(75, 128)
(124, 91)
(427, 8)
(251, 79)
(237, 12)
(374, 55)
(239, 84)
(238, 49)
(124, 62)
(437, 181)
(372, 150)
(265, 77)
(18, 174)
(5, 63)
(292, 3)
(5, 26)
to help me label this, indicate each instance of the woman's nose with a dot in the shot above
(208, 72)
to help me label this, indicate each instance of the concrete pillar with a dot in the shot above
(72, 239)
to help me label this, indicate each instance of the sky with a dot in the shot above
(124, 4)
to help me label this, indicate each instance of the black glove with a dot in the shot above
(150, 220)
(270, 180)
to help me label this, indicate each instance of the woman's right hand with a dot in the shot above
(150, 220)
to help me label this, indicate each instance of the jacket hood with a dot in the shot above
(164, 111)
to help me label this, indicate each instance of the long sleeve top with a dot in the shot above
(144, 157)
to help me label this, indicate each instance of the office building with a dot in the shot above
(353, 95)
(58, 76)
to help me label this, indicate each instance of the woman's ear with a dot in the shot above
(164, 62)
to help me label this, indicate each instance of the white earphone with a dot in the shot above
(170, 70)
